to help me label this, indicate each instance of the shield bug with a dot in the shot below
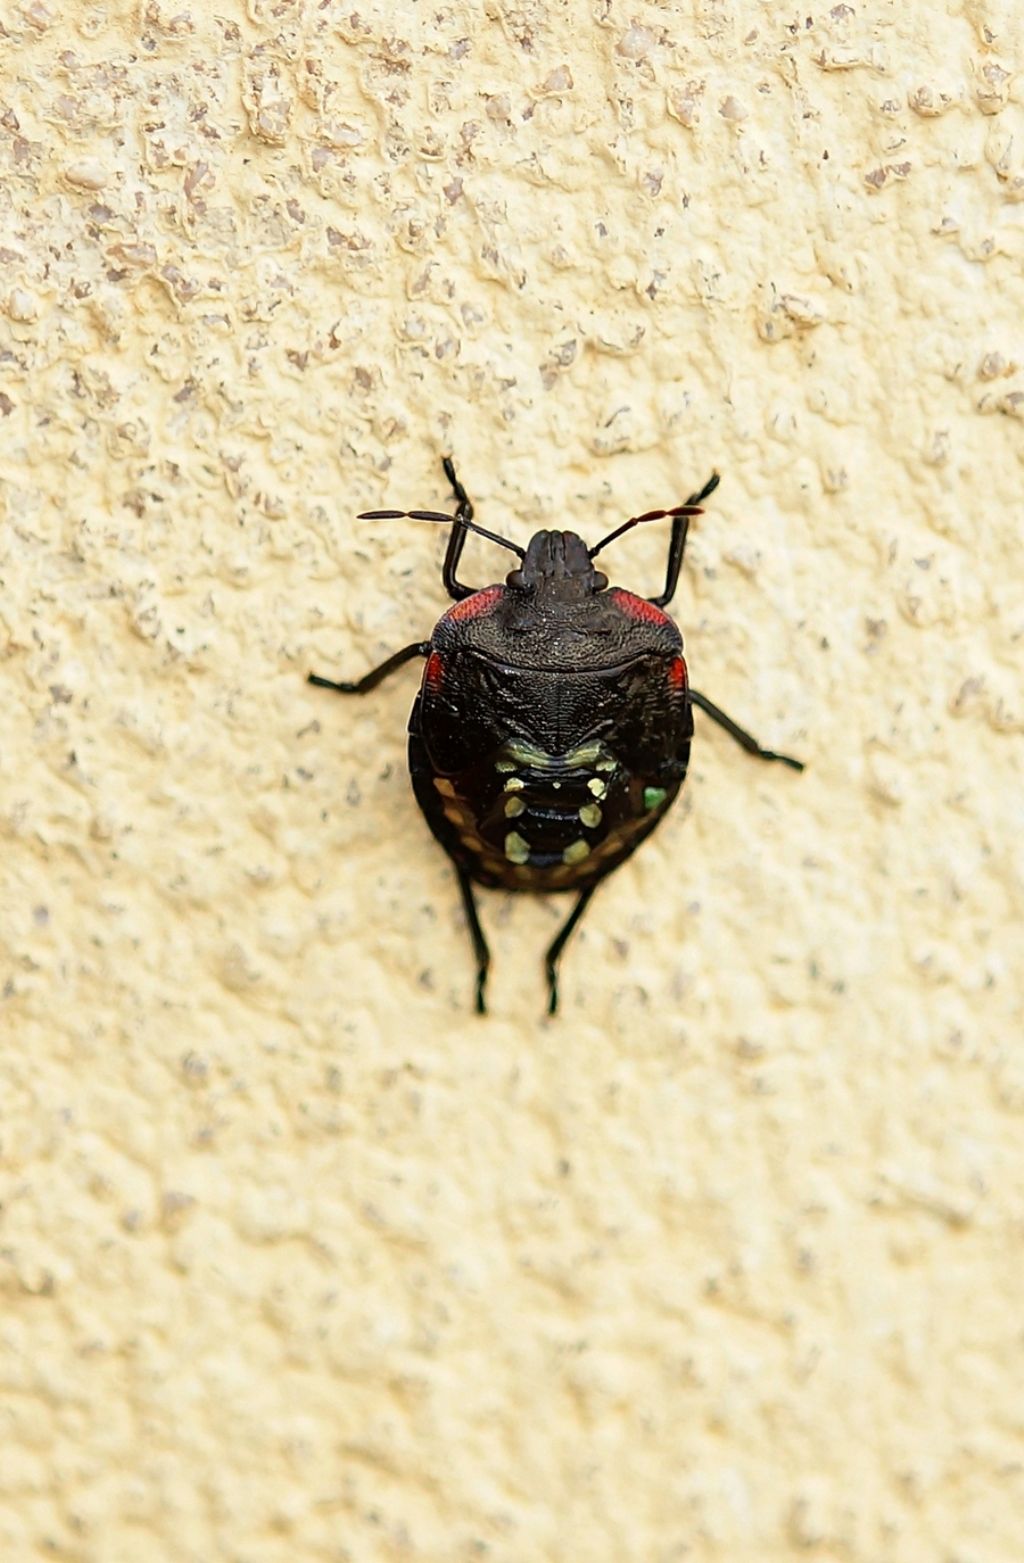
(552, 728)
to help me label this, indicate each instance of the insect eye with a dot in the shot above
(515, 578)
(600, 581)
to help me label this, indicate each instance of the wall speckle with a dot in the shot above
(298, 1258)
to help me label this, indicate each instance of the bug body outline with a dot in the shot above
(552, 728)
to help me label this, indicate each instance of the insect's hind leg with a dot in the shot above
(457, 538)
(742, 737)
(476, 933)
(362, 686)
(555, 949)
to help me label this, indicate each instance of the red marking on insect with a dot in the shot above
(677, 673)
(433, 673)
(480, 602)
(638, 607)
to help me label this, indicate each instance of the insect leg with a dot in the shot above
(362, 686)
(677, 544)
(457, 536)
(476, 933)
(743, 738)
(558, 945)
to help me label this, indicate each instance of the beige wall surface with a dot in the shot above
(300, 1259)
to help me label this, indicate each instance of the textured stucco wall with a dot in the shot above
(299, 1259)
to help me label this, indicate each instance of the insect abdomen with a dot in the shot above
(541, 779)
(526, 820)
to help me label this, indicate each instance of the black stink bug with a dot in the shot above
(553, 724)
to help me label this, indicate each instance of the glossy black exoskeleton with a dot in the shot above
(553, 724)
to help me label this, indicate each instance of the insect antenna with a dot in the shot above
(691, 508)
(437, 515)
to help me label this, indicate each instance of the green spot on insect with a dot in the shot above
(590, 815)
(514, 806)
(597, 786)
(653, 796)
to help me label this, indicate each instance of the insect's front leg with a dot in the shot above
(677, 544)
(457, 539)
(742, 737)
(362, 686)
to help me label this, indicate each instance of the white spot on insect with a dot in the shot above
(586, 754)
(516, 849)
(522, 753)
(515, 784)
(576, 852)
(514, 807)
(607, 765)
(590, 815)
(597, 786)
